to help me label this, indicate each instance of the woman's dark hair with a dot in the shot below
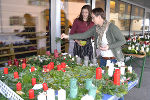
(88, 7)
(99, 12)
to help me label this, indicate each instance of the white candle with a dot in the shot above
(78, 60)
(133, 46)
(122, 70)
(50, 94)
(122, 64)
(119, 64)
(76, 56)
(86, 58)
(142, 49)
(108, 63)
(147, 49)
(129, 48)
(41, 96)
(130, 69)
(73, 59)
(61, 94)
(147, 37)
(70, 55)
(137, 48)
(111, 70)
(87, 97)
(86, 62)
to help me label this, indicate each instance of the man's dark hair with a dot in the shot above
(99, 12)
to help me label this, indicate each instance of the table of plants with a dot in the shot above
(58, 76)
(139, 45)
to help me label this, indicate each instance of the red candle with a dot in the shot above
(59, 67)
(5, 70)
(23, 65)
(33, 81)
(31, 94)
(117, 77)
(98, 73)
(32, 68)
(45, 87)
(16, 76)
(18, 86)
(63, 65)
(9, 62)
(24, 60)
(17, 63)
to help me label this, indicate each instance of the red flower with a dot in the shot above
(44, 66)
(63, 70)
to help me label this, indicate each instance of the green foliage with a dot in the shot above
(132, 76)
(59, 79)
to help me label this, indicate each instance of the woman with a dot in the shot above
(83, 47)
(108, 37)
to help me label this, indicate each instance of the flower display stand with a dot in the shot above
(142, 69)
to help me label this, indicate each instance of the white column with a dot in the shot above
(93, 4)
(108, 10)
(55, 24)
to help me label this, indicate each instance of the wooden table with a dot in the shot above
(142, 69)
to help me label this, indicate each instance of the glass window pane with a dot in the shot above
(120, 15)
(137, 17)
(69, 12)
(22, 22)
(147, 22)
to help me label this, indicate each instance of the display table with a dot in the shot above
(110, 97)
(142, 69)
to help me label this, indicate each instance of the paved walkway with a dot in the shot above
(142, 93)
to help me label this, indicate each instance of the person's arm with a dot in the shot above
(91, 32)
(118, 36)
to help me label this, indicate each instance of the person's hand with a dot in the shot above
(64, 36)
(104, 48)
(78, 41)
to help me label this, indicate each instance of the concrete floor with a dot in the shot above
(142, 93)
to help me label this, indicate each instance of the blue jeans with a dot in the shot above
(104, 61)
